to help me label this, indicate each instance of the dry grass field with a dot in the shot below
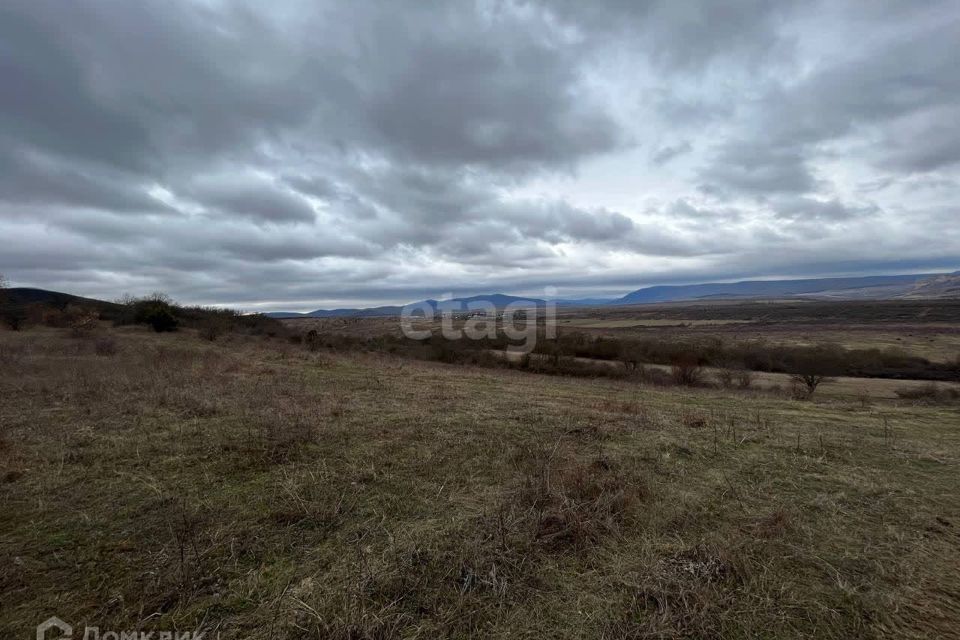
(929, 329)
(255, 489)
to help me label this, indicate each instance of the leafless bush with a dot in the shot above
(929, 392)
(686, 372)
(210, 330)
(312, 340)
(105, 346)
(574, 504)
(725, 377)
(694, 420)
(804, 384)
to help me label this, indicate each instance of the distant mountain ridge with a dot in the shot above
(857, 288)
(924, 285)
(498, 300)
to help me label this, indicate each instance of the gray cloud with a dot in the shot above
(688, 34)
(261, 199)
(669, 152)
(759, 168)
(368, 151)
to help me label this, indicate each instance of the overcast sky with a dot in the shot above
(296, 155)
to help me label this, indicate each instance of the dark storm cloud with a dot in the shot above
(235, 152)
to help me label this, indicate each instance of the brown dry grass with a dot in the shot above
(258, 489)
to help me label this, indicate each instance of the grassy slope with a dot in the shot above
(264, 491)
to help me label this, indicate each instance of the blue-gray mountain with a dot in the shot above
(925, 285)
(498, 300)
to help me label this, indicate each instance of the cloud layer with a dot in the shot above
(309, 154)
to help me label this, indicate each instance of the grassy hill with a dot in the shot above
(261, 490)
(27, 295)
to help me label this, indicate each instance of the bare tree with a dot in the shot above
(813, 369)
(809, 381)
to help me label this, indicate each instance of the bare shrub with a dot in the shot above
(686, 372)
(211, 329)
(930, 392)
(813, 368)
(725, 377)
(694, 420)
(82, 324)
(651, 375)
(804, 384)
(105, 346)
(575, 504)
(312, 340)
(744, 378)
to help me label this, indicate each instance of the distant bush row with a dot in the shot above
(610, 357)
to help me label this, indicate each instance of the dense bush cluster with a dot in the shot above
(160, 313)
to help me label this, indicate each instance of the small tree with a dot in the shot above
(809, 381)
(813, 369)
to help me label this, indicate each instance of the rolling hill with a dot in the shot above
(29, 295)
